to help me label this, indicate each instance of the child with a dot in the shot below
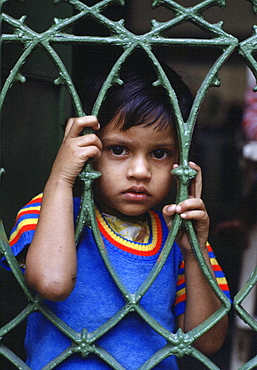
(135, 148)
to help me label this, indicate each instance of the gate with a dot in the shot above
(60, 33)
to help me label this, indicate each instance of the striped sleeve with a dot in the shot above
(180, 302)
(25, 225)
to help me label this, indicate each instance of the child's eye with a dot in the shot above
(118, 149)
(159, 154)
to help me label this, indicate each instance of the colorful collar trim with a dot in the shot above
(141, 249)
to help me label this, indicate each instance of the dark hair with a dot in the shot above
(137, 100)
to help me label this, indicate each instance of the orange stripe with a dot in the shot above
(180, 299)
(21, 231)
(216, 267)
(37, 199)
(182, 265)
(209, 248)
(29, 211)
(223, 286)
(181, 280)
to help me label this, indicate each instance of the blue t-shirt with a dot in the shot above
(96, 300)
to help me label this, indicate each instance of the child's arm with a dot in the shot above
(51, 258)
(201, 302)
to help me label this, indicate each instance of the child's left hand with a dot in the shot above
(193, 209)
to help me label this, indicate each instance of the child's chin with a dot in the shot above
(134, 212)
(129, 210)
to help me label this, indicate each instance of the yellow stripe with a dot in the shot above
(181, 292)
(214, 261)
(221, 280)
(30, 221)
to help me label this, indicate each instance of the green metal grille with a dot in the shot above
(84, 342)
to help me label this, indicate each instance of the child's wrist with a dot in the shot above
(59, 183)
(189, 254)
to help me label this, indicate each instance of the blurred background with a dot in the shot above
(34, 113)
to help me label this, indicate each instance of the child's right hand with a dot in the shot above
(193, 209)
(76, 149)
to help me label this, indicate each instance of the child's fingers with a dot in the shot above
(89, 139)
(75, 125)
(195, 189)
(168, 213)
(91, 146)
(190, 204)
(68, 126)
(81, 148)
(193, 215)
(169, 210)
(193, 209)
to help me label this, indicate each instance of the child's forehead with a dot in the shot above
(139, 134)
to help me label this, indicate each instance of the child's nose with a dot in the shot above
(139, 168)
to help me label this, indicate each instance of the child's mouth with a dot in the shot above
(136, 194)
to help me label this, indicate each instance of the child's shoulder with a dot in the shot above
(26, 219)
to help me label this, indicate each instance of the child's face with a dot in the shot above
(136, 168)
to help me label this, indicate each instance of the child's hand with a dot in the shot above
(76, 149)
(192, 208)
